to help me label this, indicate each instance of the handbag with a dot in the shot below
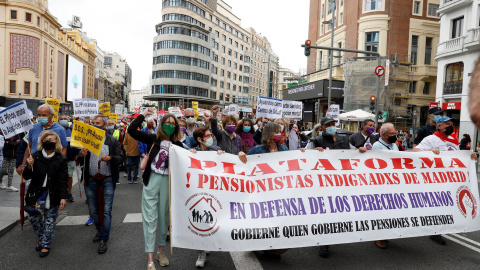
(144, 163)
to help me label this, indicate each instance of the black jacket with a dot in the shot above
(115, 153)
(327, 142)
(11, 146)
(57, 171)
(147, 139)
(358, 140)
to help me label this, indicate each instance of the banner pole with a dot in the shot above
(170, 201)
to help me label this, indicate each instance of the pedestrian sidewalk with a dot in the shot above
(9, 206)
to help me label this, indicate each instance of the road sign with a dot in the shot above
(380, 71)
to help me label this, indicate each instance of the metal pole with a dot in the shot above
(379, 62)
(331, 54)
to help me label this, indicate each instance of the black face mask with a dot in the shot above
(392, 139)
(48, 145)
(448, 130)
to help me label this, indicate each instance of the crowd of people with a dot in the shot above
(141, 143)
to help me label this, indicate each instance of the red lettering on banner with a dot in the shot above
(202, 179)
(428, 163)
(347, 164)
(262, 167)
(325, 164)
(293, 165)
(370, 164)
(456, 161)
(195, 164)
(407, 163)
(228, 168)
(278, 183)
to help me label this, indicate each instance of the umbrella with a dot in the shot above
(79, 177)
(98, 177)
(22, 198)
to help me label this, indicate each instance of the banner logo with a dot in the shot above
(203, 211)
(467, 204)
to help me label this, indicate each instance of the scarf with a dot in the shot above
(45, 155)
(247, 139)
(453, 138)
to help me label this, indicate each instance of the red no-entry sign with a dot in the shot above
(380, 71)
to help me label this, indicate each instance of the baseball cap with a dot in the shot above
(435, 110)
(444, 119)
(326, 120)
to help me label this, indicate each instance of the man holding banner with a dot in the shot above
(100, 172)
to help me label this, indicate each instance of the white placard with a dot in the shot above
(85, 107)
(175, 111)
(15, 119)
(334, 112)
(292, 109)
(294, 199)
(233, 109)
(269, 107)
(119, 109)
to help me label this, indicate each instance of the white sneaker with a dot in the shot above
(202, 258)
(162, 259)
(12, 188)
(2, 186)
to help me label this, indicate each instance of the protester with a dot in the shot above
(183, 126)
(442, 140)
(329, 139)
(364, 139)
(258, 123)
(283, 127)
(405, 139)
(245, 131)
(257, 136)
(294, 138)
(108, 160)
(226, 139)
(433, 115)
(189, 115)
(117, 132)
(271, 141)
(45, 122)
(72, 153)
(465, 143)
(9, 151)
(155, 195)
(204, 137)
(133, 158)
(47, 191)
(111, 126)
(316, 131)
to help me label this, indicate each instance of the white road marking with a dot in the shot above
(462, 243)
(245, 261)
(73, 220)
(466, 239)
(133, 217)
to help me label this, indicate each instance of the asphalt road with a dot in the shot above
(72, 247)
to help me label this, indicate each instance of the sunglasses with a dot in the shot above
(190, 116)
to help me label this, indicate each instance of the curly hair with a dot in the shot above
(229, 118)
(267, 134)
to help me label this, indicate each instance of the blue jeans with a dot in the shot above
(132, 164)
(108, 193)
(43, 226)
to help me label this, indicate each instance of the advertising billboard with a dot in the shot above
(74, 79)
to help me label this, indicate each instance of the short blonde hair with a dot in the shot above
(43, 135)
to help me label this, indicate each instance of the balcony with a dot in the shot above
(455, 45)
(452, 88)
(472, 39)
(451, 5)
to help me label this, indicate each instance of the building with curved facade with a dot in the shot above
(35, 52)
(200, 53)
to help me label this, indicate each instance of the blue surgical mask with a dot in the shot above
(43, 120)
(247, 129)
(331, 131)
(436, 118)
(98, 126)
(110, 127)
(64, 123)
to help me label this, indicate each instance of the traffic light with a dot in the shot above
(270, 88)
(372, 103)
(317, 107)
(308, 43)
(380, 115)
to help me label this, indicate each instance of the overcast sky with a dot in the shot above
(129, 28)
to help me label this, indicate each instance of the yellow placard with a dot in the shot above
(87, 136)
(113, 116)
(55, 103)
(104, 108)
(195, 108)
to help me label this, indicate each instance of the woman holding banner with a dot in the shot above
(155, 195)
(245, 130)
(47, 192)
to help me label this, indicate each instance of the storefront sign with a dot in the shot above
(451, 106)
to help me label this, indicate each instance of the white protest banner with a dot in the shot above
(15, 119)
(85, 107)
(292, 109)
(119, 109)
(175, 111)
(269, 107)
(334, 112)
(233, 109)
(280, 200)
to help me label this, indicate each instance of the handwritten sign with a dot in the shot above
(292, 109)
(195, 108)
(55, 103)
(87, 136)
(85, 107)
(113, 116)
(233, 109)
(269, 107)
(104, 108)
(119, 109)
(15, 119)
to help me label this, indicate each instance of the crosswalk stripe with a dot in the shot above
(73, 220)
(133, 217)
(466, 239)
(245, 261)
(462, 243)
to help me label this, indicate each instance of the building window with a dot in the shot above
(413, 87)
(28, 17)
(224, 38)
(414, 49)
(222, 72)
(339, 53)
(13, 87)
(38, 20)
(428, 51)
(36, 89)
(416, 7)
(454, 72)
(323, 10)
(432, 10)
(222, 85)
(426, 88)
(373, 5)
(457, 27)
(13, 14)
(341, 17)
(371, 41)
(26, 90)
(230, 41)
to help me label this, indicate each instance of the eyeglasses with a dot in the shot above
(192, 116)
